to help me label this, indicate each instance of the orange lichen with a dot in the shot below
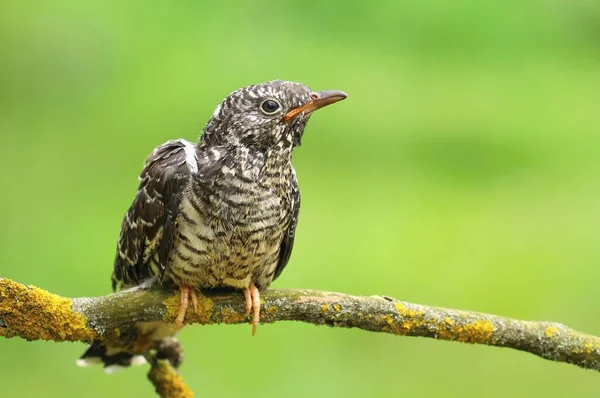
(35, 314)
(551, 331)
(167, 382)
(205, 308)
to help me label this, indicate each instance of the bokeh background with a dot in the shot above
(462, 171)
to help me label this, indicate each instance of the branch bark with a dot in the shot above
(35, 314)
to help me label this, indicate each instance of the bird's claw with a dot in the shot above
(187, 293)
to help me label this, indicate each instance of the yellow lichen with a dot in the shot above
(413, 319)
(479, 331)
(476, 332)
(232, 317)
(407, 325)
(203, 314)
(405, 311)
(387, 322)
(324, 307)
(337, 307)
(271, 311)
(589, 345)
(551, 331)
(33, 313)
(167, 382)
(587, 348)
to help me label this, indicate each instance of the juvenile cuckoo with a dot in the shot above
(221, 213)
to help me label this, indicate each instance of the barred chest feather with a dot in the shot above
(230, 225)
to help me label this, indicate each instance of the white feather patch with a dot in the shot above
(138, 360)
(190, 156)
(217, 110)
(110, 369)
(85, 362)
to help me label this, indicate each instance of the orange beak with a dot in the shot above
(319, 100)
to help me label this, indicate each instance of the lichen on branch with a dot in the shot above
(167, 382)
(34, 314)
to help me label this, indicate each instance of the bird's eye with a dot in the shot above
(270, 106)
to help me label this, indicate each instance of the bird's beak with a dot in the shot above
(319, 100)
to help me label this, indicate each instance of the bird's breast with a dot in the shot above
(228, 234)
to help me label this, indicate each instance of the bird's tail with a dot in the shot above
(116, 358)
(113, 359)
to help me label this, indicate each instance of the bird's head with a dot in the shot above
(266, 115)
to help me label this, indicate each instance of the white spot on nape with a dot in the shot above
(85, 362)
(138, 360)
(110, 369)
(217, 110)
(190, 156)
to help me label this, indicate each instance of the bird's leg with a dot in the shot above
(252, 297)
(248, 298)
(187, 292)
(255, 306)
(194, 298)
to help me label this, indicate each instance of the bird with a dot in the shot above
(221, 212)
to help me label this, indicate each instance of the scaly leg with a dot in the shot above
(187, 293)
(248, 298)
(194, 299)
(252, 297)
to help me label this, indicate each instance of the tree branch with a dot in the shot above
(35, 314)
(167, 382)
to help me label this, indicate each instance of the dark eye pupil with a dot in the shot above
(270, 106)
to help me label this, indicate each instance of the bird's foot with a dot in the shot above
(187, 293)
(252, 297)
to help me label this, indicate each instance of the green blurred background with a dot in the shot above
(462, 171)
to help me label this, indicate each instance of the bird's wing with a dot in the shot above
(149, 224)
(287, 244)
